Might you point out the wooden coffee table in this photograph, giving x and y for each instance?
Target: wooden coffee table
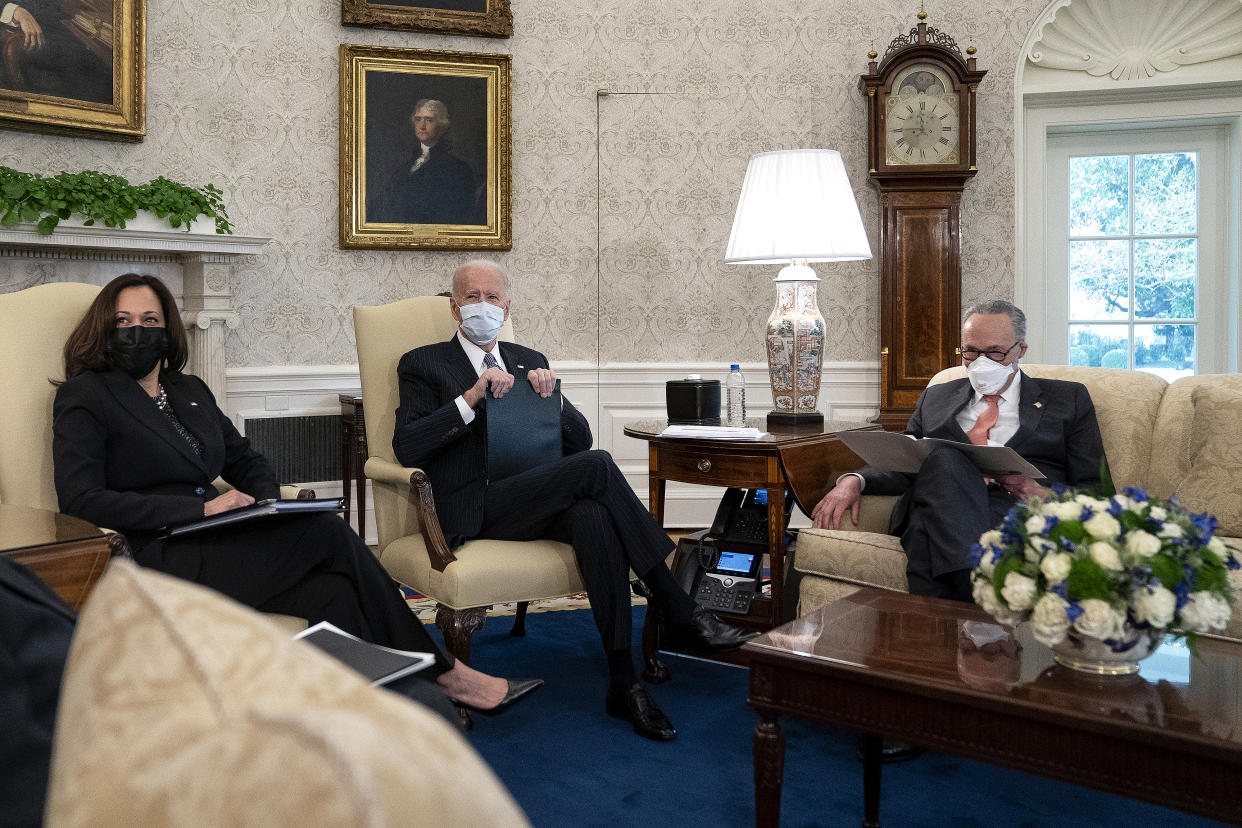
(903, 667)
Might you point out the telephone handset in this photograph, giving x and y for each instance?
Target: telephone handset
(730, 575)
(742, 517)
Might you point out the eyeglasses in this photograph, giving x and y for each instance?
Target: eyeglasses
(971, 354)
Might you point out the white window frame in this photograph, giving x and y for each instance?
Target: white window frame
(1209, 143)
(1040, 288)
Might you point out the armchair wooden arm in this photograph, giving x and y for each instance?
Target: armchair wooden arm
(417, 490)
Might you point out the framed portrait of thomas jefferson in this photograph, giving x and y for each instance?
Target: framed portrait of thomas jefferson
(426, 155)
(482, 18)
(74, 66)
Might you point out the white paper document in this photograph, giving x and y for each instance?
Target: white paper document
(697, 432)
(901, 453)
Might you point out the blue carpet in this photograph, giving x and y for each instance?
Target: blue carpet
(568, 764)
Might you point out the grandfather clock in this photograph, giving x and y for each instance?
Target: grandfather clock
(921, 150)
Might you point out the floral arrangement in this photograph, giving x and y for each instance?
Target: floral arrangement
(1111, 568)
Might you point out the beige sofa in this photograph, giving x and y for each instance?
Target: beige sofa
(181, 707)
(1183, 438)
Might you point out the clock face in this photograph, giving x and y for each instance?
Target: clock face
(922, 121)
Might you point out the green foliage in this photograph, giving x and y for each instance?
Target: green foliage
(1167, 569)
(1070, 529)
(1087, 579)
(105, 198)
(1212, 575)
(1116, 358)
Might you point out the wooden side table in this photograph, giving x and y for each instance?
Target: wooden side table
(67, 553)
(804, 460)
(354, 455)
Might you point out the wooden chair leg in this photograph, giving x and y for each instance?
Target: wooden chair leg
(458, 626)
(519, 620)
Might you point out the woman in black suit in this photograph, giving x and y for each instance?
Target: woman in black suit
(137, 444)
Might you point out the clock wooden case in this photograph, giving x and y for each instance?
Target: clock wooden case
(921, 152)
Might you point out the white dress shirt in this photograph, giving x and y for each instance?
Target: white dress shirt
(475, 354)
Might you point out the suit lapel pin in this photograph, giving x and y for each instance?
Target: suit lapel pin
(1039, 405)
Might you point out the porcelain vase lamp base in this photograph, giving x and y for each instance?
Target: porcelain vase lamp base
(795, 345)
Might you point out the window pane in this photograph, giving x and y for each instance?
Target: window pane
(1167, 350)
(1164, 278)
(1099, 345)
(1099, 188)
(1099, 274)
(1166, 193)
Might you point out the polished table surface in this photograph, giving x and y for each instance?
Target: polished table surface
(909, 668)
(67, 553)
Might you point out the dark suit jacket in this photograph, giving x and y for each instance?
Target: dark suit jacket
(441, 191)
(431, 435)
(121, 464)
(35, 629)
(1057, 433)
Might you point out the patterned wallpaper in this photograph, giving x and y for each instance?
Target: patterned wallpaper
(244, 94)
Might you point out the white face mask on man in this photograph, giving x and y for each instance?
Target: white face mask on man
(481, 321)
(987, 376)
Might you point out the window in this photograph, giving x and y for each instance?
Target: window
(1134, 250)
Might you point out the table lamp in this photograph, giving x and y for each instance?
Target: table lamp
(796, 207)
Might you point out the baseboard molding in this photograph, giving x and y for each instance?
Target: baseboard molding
(609, 396)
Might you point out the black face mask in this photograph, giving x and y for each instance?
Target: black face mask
(136, 350)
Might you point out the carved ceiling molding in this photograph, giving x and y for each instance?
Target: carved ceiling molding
(1135, 39)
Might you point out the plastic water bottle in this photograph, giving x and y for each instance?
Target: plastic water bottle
(735, 397)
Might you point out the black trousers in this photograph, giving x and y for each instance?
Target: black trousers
(311, 566)
(585, 501)
(942, 515)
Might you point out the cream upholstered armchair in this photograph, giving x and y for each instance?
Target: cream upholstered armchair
(465, 581)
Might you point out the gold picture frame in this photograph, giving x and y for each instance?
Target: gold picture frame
(480, 18)
(75, 67)
(439, 182)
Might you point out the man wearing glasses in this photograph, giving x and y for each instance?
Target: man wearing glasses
(946, 506)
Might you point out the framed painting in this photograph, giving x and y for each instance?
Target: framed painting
(75, 67)
(426, 156)
(481, 18)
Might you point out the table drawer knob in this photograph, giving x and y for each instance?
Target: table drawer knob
(705, 465)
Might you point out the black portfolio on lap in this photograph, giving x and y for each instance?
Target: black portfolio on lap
(523, 430)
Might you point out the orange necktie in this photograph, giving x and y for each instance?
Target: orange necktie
(978, 433)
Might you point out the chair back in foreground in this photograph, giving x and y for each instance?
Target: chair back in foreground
(34, 324)
(466, 581)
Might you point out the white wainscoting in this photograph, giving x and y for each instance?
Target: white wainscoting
(609, 397)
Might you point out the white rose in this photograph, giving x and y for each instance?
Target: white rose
(1170, 530)
(1102, 525)
(1155, 605)
(1098, 619)
(1018, 591)
(1085, 499)
(1105, 554)
(992, 537)
(1217, 545)
(1035, 524)
(1123, 501)
(1049, 621)
(985, 597)
(1158, 512)
(1068, 510)
(1142, 544)
(1205, 611)
(1056, 567)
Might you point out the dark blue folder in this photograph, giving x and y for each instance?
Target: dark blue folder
(523, 430)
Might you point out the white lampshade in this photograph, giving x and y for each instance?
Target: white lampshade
(796, 205)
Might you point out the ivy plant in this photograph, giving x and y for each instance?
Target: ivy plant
(102, 197)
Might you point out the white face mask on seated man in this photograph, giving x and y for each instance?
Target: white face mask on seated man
(481, 321)
(987, 376)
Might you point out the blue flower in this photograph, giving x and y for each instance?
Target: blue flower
(976, 554)
(1136, 494)
(1114, 508)
(1073, 611)
(1182, 591)
(1232, 563)
(1059, 489)
(1061, 589)
(1086, 514)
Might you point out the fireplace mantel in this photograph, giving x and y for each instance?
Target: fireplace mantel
(205, 257)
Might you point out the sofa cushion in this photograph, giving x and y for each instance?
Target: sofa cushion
(862, 558)
(181, 707)
(1171, 455)
(1213, 484)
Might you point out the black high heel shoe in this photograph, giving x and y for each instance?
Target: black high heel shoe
(518, 690)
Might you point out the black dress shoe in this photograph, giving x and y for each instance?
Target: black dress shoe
(637, 707)
(707, 632)
(518, 690)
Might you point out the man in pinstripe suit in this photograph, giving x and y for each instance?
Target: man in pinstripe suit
(583, 499)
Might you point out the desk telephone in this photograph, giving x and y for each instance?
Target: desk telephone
(731, 552)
